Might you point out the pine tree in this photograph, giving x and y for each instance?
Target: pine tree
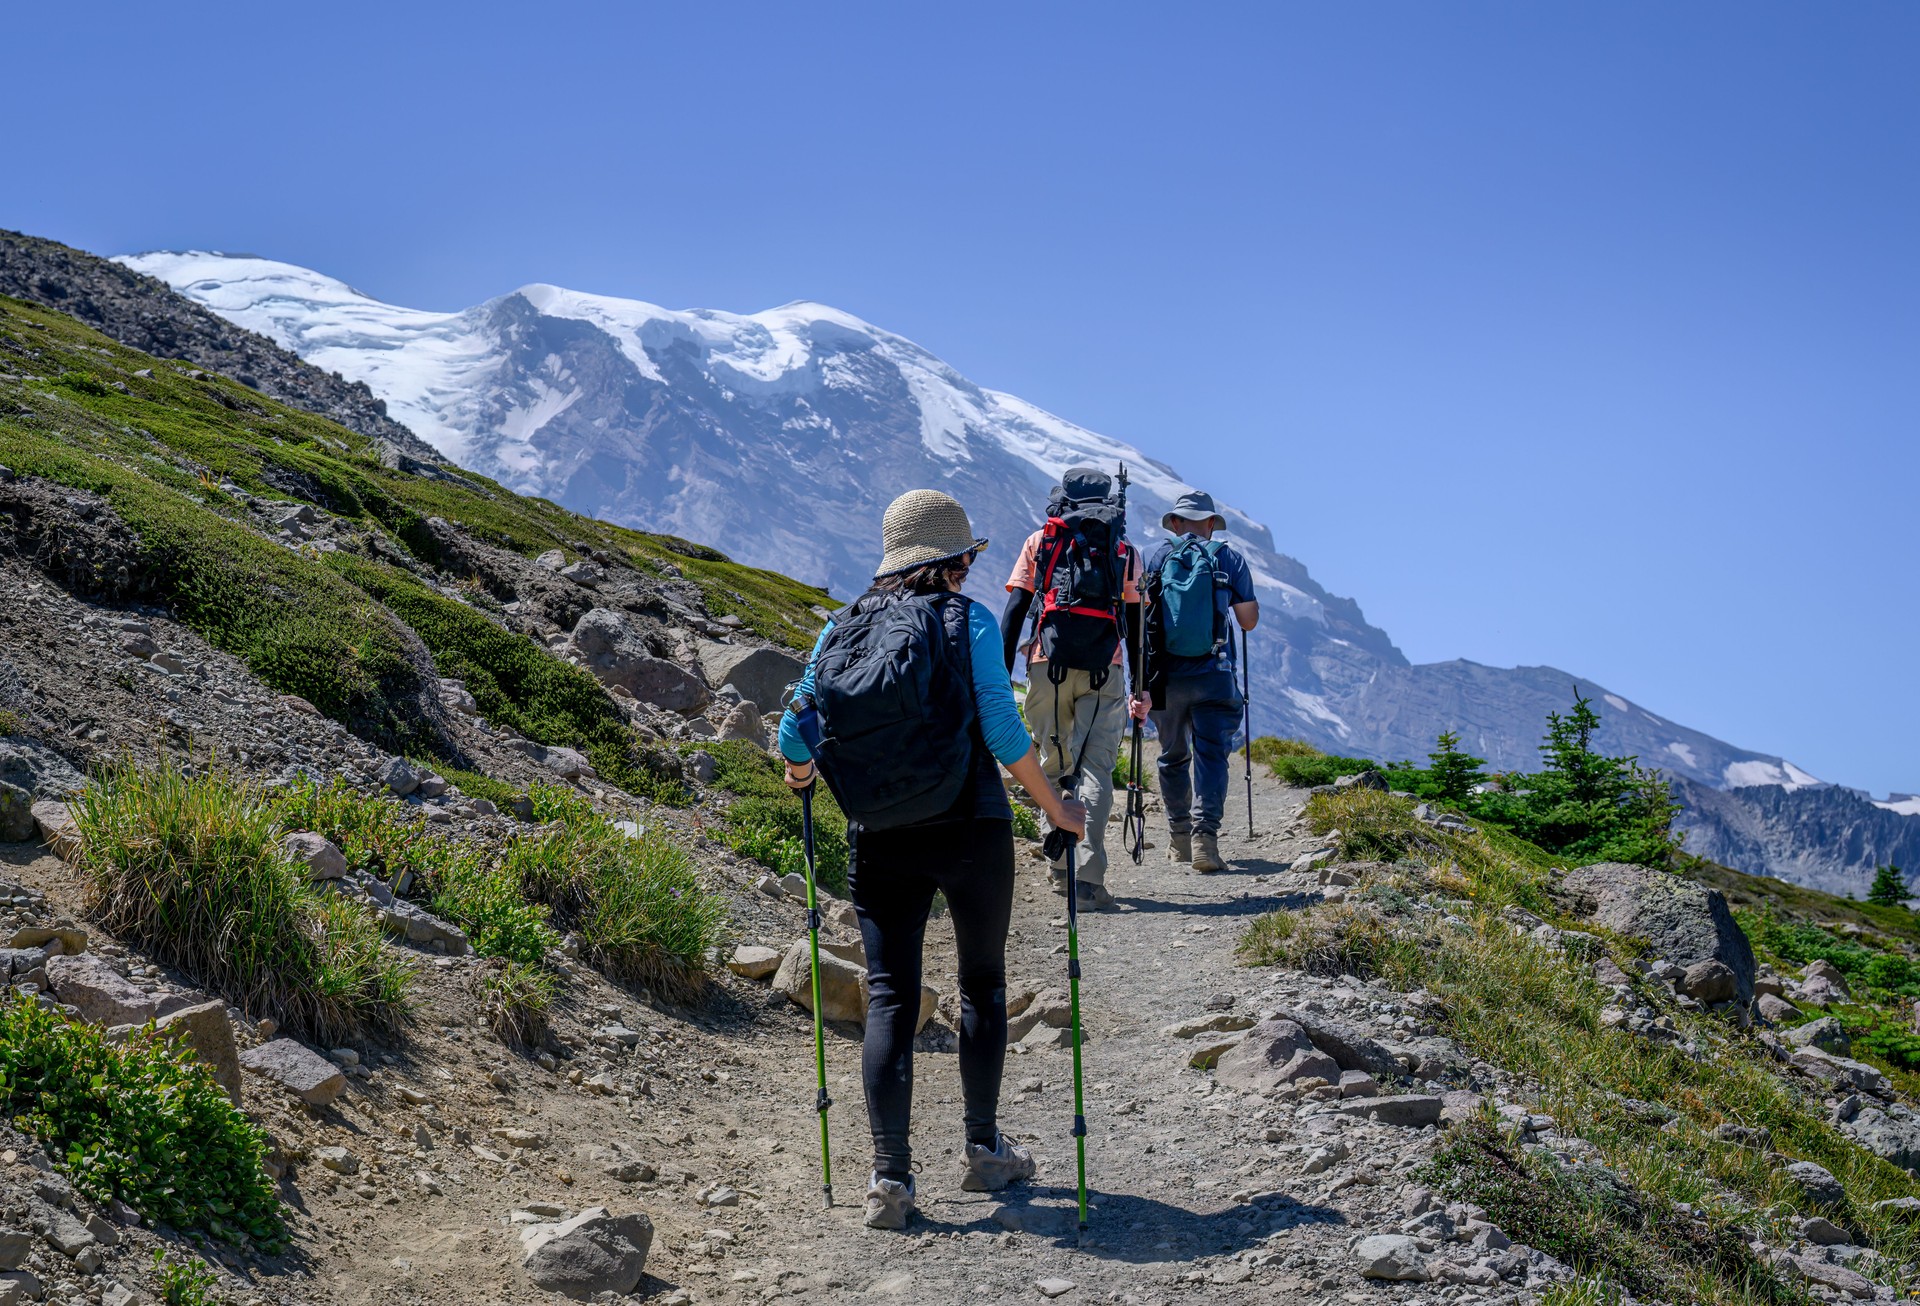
(1889, 887)
(1588, 776)
(1453, 773)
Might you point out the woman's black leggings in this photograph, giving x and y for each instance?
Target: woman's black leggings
(892, 878)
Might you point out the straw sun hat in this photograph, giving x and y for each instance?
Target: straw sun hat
(923, 526)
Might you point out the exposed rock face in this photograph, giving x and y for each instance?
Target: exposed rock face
(609, 648)
(1687, 923)
(1826, 837)
(1351, 1047)
(760, 674)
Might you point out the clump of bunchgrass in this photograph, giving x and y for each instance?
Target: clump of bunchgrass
(140, 1120)
(1495, 867)
(376, 834)
(189, 868)
(517, 998)
(1327, 939)
(486, 900)
(633, 900)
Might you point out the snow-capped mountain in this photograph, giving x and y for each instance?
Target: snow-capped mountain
(780, 436)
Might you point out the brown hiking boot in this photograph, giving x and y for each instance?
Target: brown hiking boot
(1206, 853)
(1179, 847)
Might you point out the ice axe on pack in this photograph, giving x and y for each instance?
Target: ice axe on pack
(1059, 843)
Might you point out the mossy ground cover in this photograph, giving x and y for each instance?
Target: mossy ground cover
(1651, 1108)
(76, 409)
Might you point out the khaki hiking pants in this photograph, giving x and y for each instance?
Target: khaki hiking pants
(1073, 722)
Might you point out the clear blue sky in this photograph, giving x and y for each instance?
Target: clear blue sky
(1570, 333)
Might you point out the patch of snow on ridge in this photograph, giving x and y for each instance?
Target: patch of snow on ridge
(1743, 775)
(1618, 704)
(1314, 706)
(1904, 804)
(1683, 752)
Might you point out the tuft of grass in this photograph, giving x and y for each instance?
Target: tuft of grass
(486, 900)
(10, 723)
(635, 902)
(763, 822)
(190, 869)
(1497, 868)
(141, 1120)
(518, 999)
(1298, 763)
(475, 785)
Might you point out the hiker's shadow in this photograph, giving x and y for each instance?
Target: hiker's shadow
(1125, 1226)
(1253, 904)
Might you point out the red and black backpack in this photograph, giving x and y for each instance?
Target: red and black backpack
(1080, 574)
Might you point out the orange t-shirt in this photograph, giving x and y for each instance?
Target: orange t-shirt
(1025, 576)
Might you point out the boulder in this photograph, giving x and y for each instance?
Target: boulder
(552, 560)
(1817, 1183)
(592, 1253)
(843, 983)
(1394, 1257)
(1271, 1055)
(16, 814)
(1685, 921)
(588, 574)
(1842, 1072)
(743, 721)
(754, 963)
(1709, 982)
(298, 1069)
(1775, 1008)
(1826, 1033)
(72, 940)
(1351, 1047)
(1403, 1110)
(760, 674)
(204, 1028)
(316, 855)
(1826, 971)
(1365, 780)
(55, 824)
(400, 776)
(609, 648)
(1893, 1133)
(102, 995)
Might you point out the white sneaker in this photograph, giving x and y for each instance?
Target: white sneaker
(989, 1169)
(889, 1202)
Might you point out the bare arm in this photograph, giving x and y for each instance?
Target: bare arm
(1247, 614)
(1062, 813)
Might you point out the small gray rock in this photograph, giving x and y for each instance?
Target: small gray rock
(102, 995)
(316, 855)
(592, 1253)
(1818, 1183)
(298, 1069)
(400, 776)
(1394, 1257)
(1826, 1033)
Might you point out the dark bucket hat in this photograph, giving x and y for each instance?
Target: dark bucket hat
(1195, 505)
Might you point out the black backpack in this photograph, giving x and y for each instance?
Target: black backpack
(1080, 574)
(894, 711)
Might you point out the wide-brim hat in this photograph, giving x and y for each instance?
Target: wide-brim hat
(1195, 505)
(923, 526)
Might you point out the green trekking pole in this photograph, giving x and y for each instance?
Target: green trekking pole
(1246, 700)
(1073, 1003)
(821, 1100)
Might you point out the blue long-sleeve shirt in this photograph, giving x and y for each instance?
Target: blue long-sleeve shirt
(1000, 723)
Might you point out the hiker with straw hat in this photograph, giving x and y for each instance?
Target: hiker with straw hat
(904, 709)
(1196, 585)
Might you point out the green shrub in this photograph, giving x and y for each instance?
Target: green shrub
(1026, 825)
(189, 868)
(141, 1120)
(183, 1283)
(10, 723)
(1798, 942)
(81, 383)
(475, 785)
(636, 903)
(1297, 763)
(487, 902)
(763, 823)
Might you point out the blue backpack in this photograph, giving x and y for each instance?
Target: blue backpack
(1190, 622)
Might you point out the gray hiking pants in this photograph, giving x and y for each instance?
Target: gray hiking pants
(1076, 725)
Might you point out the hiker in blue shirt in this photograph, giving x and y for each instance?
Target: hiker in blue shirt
(1197, 587)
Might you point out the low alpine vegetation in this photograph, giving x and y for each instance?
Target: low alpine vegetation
(763, 822)
(189, 868)
(142, 1121)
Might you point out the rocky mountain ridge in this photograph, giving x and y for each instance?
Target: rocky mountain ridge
(781, 435)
